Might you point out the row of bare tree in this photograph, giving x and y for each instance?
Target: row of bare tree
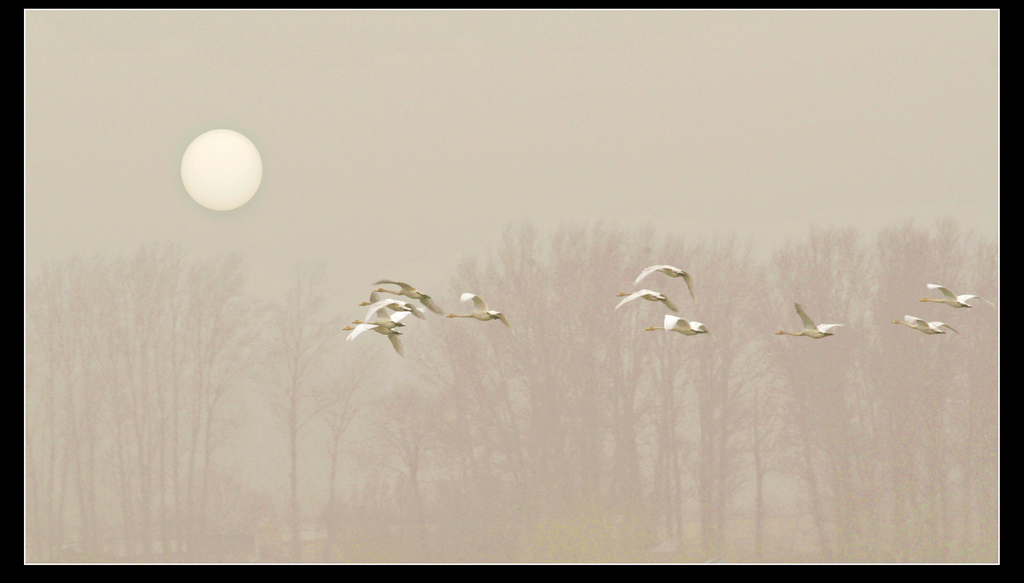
(580, 437)
(129, 367)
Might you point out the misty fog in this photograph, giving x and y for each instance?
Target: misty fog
(579, 437)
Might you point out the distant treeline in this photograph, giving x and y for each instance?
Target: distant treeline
(580, 437)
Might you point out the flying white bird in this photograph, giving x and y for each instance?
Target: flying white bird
(392, 334)
(926, 327)
(951, 299)
(677, 324)
(397, 305)
(388, 322)
(669, 271)
(647, 295)
(411, 292)
(810, 329)
(480, 311)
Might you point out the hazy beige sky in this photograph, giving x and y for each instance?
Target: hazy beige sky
(394, 142)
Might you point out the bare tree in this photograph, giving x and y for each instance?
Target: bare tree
(60, 320)
(406, 419)
(766, 452)
(340, 402)
(301, 337)
(220, 342)
(109, 338)
(44, 307)
(720, 369)
(825, 275)
(927, 405)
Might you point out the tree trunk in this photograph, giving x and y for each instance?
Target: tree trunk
(723, 455)
(812, 483)
(293, 439)
(331, 518)
(758, 479)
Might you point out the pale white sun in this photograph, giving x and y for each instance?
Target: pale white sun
(221, 170)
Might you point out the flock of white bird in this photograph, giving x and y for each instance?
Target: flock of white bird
(378, 319)
(385, 315)
(948, 298)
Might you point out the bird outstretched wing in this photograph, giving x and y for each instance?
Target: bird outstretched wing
(504, 321)
(914, 321)
(670, 321)
(647, 271)
(808, 323)
(964, 298)
(669, 304)
(631, 297)
(397, 343)
(359, 329)
(478, 302)
(400, 284)
(945, 291)
(689, 284)
(429, 303)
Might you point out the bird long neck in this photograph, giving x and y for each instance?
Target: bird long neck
(655, 328)
(800, 333)
(942, 301)
(460, 315)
